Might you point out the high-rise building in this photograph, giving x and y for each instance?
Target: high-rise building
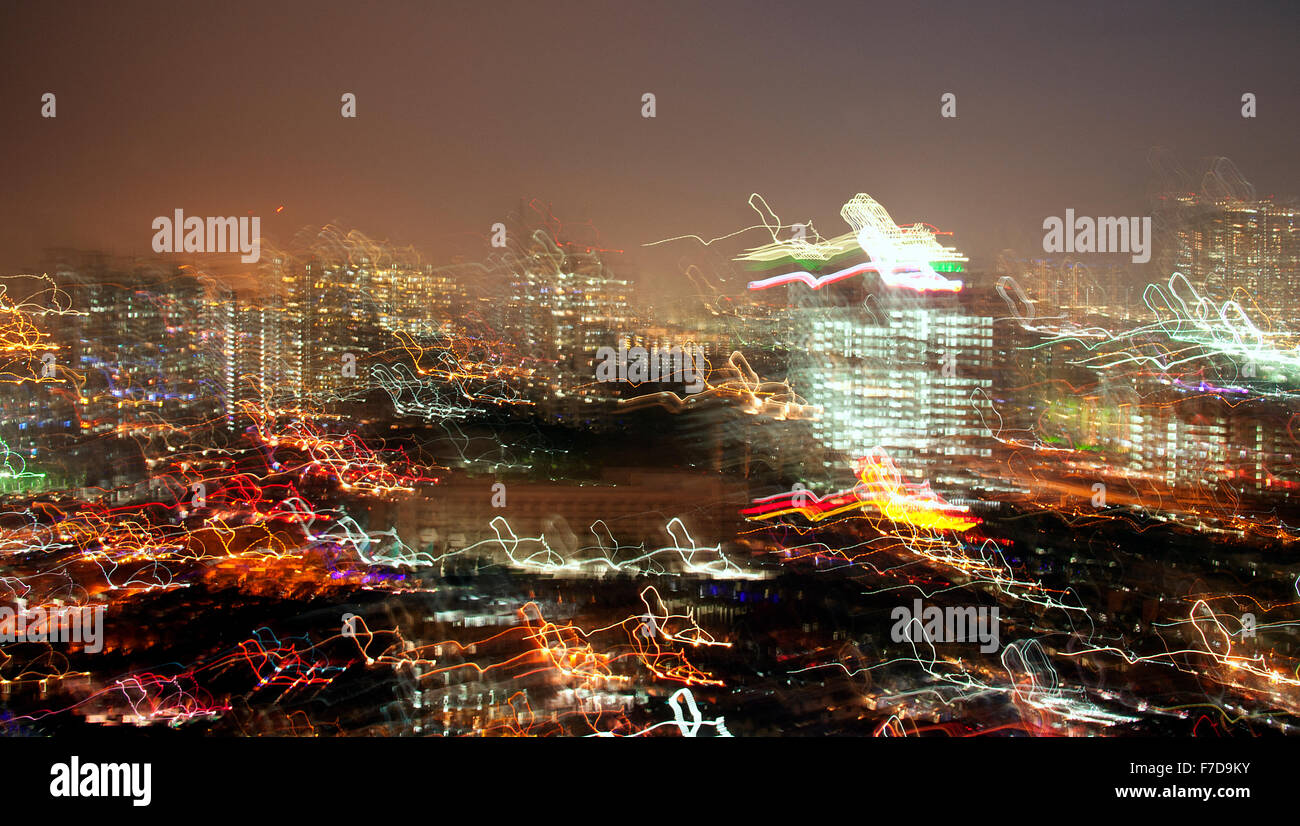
(906, 372)
(562, 304)
(146, 341)
(1070, 290)
(1243, 250)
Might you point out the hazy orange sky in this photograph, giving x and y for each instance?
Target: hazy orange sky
(464, 108)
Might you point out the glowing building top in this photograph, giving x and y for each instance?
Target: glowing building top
(904, 257)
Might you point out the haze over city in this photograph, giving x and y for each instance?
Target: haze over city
(860, 376)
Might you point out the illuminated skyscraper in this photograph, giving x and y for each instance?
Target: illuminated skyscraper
(563, 303)
(886, 347)
(1231, 248)
(906, 372)
(144, 338)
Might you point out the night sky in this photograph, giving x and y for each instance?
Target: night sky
(464, 108)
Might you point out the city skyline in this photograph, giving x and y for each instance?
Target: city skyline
(874, 376)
